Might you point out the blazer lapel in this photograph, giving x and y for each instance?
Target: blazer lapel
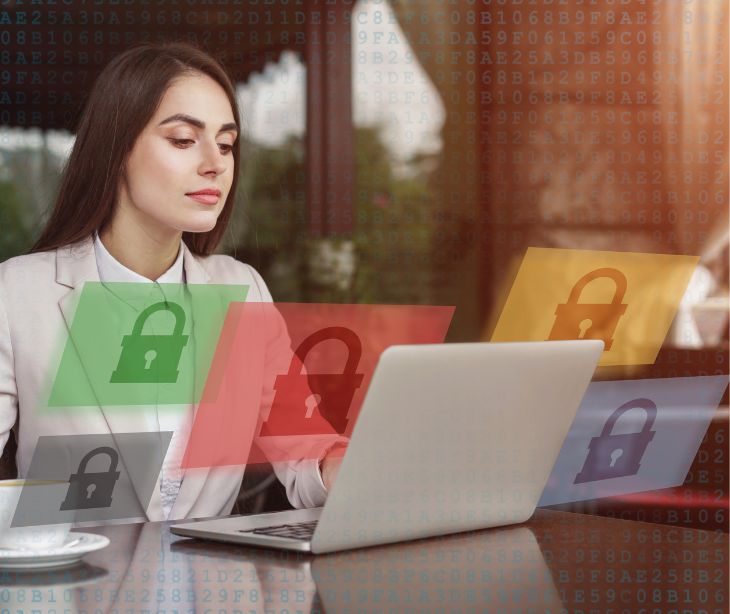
(75, 265)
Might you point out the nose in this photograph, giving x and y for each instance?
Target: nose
(213, 161)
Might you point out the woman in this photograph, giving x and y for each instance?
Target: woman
(146, 196)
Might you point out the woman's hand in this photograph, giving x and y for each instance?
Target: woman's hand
(329, 466)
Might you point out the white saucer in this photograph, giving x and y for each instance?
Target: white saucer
(74, 548)
(54, 578)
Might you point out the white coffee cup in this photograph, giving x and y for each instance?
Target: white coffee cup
(27, 538)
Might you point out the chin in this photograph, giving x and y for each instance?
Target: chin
(200, 223)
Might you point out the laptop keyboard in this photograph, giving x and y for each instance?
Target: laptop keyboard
(299, 530)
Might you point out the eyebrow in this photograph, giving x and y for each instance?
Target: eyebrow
(181, 117)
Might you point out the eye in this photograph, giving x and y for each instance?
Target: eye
(181, 142)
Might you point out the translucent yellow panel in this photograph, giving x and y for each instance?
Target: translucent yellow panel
(627, 299)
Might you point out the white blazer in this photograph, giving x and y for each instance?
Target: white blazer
(38, 295)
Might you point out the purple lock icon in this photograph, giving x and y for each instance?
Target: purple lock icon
(615, 456)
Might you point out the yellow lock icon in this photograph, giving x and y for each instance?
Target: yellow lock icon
(575, 320)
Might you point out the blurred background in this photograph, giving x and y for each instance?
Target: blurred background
(409, 151)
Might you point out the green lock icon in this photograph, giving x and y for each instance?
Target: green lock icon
(152, 359)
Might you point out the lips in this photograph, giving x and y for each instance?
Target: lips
(206, 197)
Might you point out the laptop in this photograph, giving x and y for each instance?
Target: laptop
(451, 437)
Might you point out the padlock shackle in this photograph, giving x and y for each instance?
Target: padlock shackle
(176, 310)
(341, 333)
(646, 404)
(617, 276)
(111, 452)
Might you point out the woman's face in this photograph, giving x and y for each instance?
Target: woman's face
(175, 157)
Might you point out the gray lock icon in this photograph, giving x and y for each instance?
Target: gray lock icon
(614, 456)
(92, 490)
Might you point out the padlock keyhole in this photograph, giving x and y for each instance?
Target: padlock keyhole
(90, 490)
(312, 401)
(615, 455)
(583, 327)
(149, 356)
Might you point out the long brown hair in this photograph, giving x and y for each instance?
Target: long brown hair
(123, 99)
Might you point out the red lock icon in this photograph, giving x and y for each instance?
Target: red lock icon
(292, 409)
(574, 320)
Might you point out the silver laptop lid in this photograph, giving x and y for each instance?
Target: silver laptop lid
(454, 437)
